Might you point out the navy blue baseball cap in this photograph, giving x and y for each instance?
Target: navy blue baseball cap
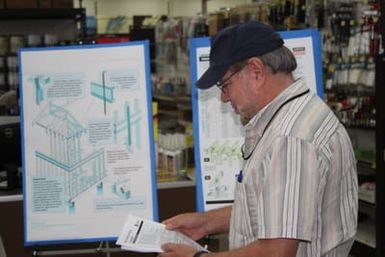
(237, 43)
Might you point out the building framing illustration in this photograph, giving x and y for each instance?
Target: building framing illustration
(66, 158)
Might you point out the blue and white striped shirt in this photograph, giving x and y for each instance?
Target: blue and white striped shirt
(301, 179)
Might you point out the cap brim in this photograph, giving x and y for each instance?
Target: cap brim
(211, 76)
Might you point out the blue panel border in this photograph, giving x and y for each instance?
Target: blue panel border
(317, 52)
(195, 43)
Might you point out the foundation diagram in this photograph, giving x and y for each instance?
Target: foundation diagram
(122, 188)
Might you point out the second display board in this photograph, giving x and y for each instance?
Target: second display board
(218, 133)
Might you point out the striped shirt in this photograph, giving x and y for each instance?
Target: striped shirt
(300, 181)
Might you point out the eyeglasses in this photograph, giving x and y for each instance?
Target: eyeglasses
(224, 85)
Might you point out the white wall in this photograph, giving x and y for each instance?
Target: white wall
(154, 7)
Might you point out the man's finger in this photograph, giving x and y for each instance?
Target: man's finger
(168, 247)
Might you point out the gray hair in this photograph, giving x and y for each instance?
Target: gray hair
(280, 60)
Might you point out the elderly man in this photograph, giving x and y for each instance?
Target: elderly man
(297, 193)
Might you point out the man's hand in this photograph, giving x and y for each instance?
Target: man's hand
(177, 250)
(192, 225)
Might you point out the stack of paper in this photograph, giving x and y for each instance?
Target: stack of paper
(141, 235)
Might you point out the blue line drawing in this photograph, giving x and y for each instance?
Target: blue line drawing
(130, 122)
(39, 82)
(65, 157)
(217, 187)
(57, 86)
(122, 188)
(113, 81)
(220, 153)
(103, 92)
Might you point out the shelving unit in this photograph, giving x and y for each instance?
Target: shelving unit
(174, 111)
(370, 237)
(359, 103)
(42, 13)
(380, 154)
(21, 21)
(33, 28)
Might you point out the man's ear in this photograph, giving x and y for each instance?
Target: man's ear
(258, 68)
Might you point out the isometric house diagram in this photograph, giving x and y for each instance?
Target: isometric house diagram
(65, 157)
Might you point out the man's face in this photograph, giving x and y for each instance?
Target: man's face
(236, 88)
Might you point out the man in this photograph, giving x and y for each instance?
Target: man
(297, 193)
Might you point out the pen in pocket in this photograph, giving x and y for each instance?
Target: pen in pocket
(240, 176)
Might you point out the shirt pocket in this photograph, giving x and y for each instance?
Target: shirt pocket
(241, 224)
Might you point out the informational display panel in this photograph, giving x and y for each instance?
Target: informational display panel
(88, 152)
(218, 133)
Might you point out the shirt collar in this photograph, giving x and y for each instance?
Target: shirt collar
(261, 119)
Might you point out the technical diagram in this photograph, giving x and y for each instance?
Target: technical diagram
(225, 152)
(129, 126)
(122, 188)
(216, 185)
(103, 92)
(87, 140)
(111, 82)
(39, 82)
(66, 158)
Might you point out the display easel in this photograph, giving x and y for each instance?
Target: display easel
(104, 247)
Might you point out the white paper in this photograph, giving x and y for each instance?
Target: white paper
(141, 235)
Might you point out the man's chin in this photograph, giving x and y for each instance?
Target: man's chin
(244, 120)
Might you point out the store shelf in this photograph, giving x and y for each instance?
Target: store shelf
(41, 13)
(365, 168)
(169, 98)
(368, 196)
(173, 98)
(184, 107)
(184, 123)
(33, 20)
(173, 113)
(366, 233)
(176, 184)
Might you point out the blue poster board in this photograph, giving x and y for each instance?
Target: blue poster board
(218, 135)
(87, 141)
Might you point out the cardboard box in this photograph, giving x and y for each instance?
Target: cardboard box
(21, 4)
(44, 3)
(62, 3)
